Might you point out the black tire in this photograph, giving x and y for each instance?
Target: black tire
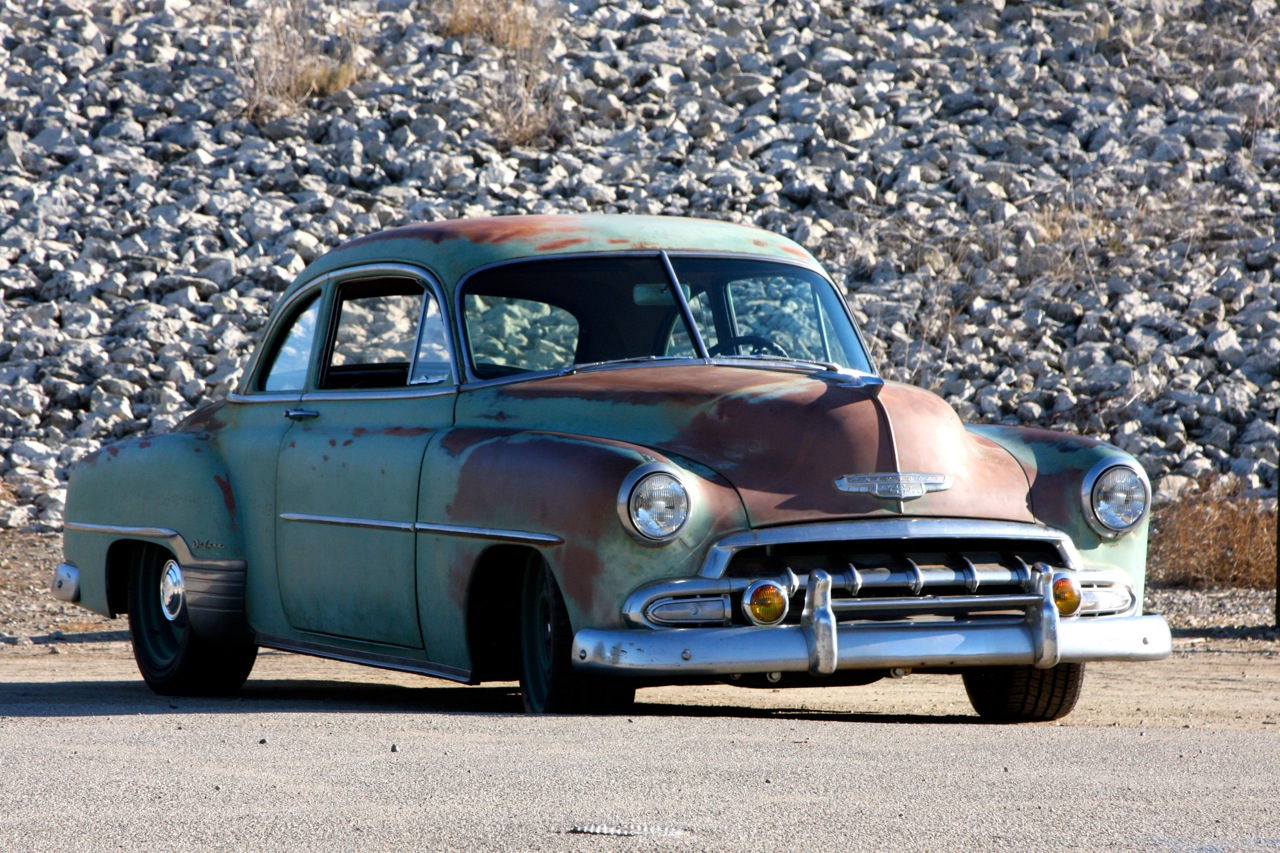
(1024, 694)
(549, 683)
(173, 659)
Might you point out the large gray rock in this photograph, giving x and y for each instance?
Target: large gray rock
(1031, 211)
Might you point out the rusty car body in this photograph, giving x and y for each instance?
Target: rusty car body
(599, 452)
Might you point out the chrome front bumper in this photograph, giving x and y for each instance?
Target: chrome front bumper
(820, 645)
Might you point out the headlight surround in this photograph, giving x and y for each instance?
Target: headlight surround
(1116, 497)
(654, 503)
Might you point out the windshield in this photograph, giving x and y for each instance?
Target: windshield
(570, 312)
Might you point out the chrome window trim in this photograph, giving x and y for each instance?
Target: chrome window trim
(430, 285)
(490, 533)
(408, 392)
(463, 357)
(718, 557)
(265, 397)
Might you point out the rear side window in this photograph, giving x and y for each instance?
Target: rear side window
(289, 362)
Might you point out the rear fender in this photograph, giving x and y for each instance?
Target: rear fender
(172, 490)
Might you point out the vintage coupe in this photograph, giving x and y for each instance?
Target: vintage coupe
(601, 452)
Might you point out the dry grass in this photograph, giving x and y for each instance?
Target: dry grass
(526, 108)
(1214, 537)
(505, 24)
(300, 49)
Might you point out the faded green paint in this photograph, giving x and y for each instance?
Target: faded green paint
(757, 447)
(1056, 465)
(449, 250)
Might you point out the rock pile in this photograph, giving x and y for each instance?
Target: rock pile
(1052, 213)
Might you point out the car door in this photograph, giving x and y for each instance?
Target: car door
(348, 468)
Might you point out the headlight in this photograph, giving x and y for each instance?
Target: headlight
(657, 503)
(1116, 498)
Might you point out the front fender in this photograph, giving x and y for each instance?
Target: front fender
(1055, 464)
(567, 487)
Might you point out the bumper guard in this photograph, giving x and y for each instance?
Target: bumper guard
(821, 644)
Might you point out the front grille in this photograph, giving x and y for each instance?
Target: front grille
(908, 578)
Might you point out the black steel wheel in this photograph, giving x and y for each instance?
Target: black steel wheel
(173, 659)
(548, 681)
(1024, 694)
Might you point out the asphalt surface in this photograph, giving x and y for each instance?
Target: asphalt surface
(322, 756)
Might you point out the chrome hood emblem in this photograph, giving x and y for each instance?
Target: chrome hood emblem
(898, 487)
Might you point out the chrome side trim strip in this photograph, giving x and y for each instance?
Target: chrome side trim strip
(172, 538)
(382, 661)
(718, 557)
(521, 536)
(339, 521)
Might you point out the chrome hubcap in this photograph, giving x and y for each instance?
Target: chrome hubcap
(173, 591)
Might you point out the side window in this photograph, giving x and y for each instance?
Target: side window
(679, 342)
(288, 370)
(510, 335)
(375, 338)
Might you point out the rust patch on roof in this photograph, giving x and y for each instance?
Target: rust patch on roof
(494, 229)
(556, 245)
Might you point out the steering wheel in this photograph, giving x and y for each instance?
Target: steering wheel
(755, 344)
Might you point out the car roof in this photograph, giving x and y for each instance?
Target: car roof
(452, 248)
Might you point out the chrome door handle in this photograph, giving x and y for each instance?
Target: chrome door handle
(300, 414)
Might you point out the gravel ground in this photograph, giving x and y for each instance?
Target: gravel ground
(31, 616)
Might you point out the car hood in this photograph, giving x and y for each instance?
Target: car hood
(785, 439)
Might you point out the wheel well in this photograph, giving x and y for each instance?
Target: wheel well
(493, 612)
(122, 560)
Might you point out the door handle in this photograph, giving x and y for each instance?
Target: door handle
(300, 414)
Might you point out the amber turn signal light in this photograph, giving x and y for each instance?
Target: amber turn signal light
(765, 603)
(1066, 594)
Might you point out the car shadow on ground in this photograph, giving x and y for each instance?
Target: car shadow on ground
(121, 698)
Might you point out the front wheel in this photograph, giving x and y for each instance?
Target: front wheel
(173, 659)
(1024, 694)
(548, 681)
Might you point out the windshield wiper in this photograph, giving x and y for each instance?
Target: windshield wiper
(639, 359)
(758, 360)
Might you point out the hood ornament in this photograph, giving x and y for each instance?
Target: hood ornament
(898, 487)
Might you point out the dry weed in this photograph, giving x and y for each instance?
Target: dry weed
(526, 106)
(300, 49)
(1214, 536)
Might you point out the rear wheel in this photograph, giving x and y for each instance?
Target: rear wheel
(173, 659)
(1024, 694)
(548, 681)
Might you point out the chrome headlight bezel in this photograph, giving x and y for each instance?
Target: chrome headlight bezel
(1090, 497)
(631, 491)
